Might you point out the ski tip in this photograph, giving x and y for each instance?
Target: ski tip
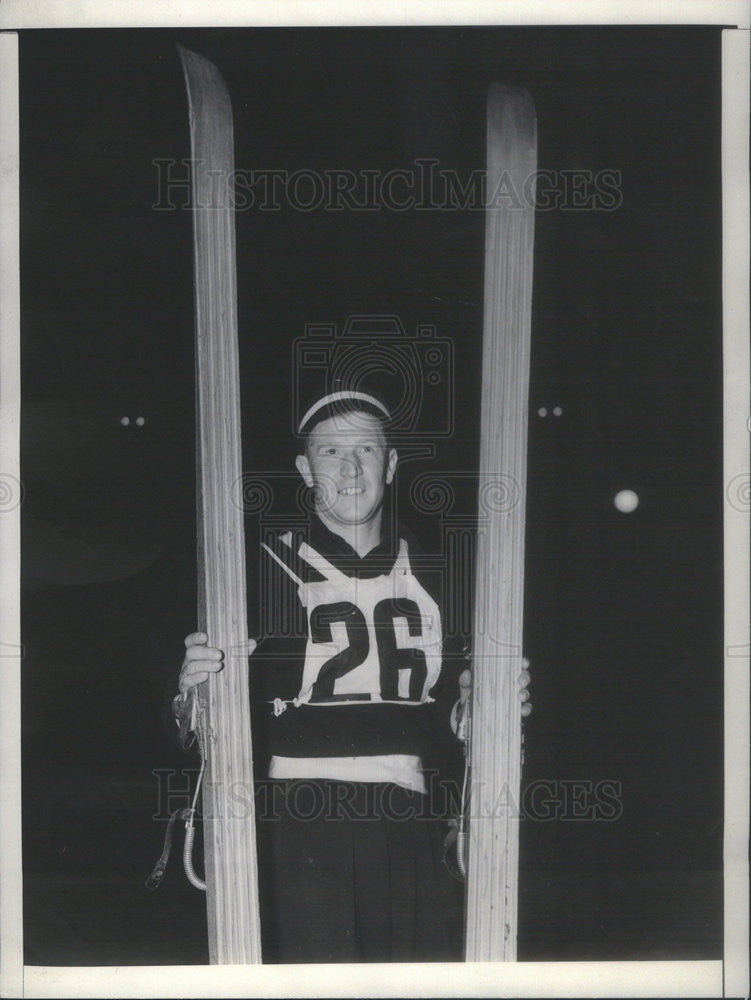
(199, 68)
(205, 84)
(186, 55)
(500, 91)
(511, 110)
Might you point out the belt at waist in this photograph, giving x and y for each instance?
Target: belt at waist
(398, 769)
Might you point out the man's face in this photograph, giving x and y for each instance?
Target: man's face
(348, 463)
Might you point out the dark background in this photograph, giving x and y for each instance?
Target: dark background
(623, 611)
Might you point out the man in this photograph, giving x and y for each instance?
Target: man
(352, 710)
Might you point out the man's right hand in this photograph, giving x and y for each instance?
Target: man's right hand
(200, 661)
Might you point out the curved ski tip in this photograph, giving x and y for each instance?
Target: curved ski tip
(198, 67)
(192, 60)
(186, 55)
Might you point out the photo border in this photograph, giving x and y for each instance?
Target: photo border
(729, 977)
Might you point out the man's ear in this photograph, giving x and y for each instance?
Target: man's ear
(303, 467)
(391, 467)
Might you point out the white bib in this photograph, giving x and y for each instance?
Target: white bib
(369, 640)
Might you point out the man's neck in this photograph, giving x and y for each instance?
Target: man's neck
(363, 538)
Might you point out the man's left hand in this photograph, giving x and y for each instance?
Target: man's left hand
(524, 680)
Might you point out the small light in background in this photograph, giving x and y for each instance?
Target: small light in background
(626, 501)
(557, 411)
(125, 421)
(542, 412)
(140, 421)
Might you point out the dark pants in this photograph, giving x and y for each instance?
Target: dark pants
(352, 872)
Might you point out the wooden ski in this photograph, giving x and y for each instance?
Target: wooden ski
(492, 871)
(227, 794)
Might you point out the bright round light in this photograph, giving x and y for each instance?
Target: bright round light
(542, 412)
(557, 411)
(626, 501)
(140, 421)
(125, 421)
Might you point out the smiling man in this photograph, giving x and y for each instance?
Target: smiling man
(351, 711)
(348, 463)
